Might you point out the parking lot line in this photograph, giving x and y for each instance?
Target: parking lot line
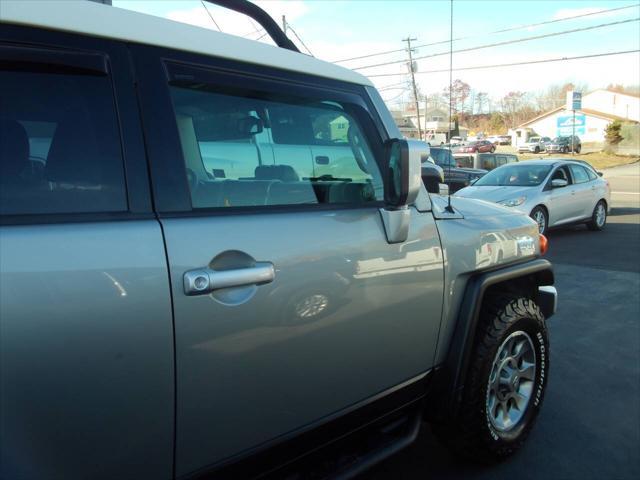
(625, 193)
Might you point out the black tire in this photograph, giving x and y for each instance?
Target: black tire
(565, 149)
(493, 149)
(472, 434)
(536, 150)
(535, 215)
(578, 148)
(597, 224)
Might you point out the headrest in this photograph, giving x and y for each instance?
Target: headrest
(285, 173)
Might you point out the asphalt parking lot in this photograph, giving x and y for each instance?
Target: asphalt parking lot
(590, 422)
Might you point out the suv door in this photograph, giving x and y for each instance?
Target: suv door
(316, 312)
(86, 340)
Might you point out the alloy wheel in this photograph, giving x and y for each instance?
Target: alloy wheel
(511, 382)
(540, 219)
(601, 215)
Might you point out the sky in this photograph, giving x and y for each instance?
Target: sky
(335, 30)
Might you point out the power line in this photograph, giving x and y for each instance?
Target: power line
(499, 65)
(210, 16)
(298, 37)
(506, 42)
(504, 30)
(413, 83)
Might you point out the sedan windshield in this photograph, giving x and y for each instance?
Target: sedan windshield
(515, 176)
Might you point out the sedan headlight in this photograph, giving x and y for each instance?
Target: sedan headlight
(514, 202)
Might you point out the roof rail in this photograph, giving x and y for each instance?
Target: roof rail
(259, 15)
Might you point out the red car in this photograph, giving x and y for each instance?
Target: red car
(480, 146)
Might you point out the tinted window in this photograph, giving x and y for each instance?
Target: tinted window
(443, 157)
(488, 162)
(240, 150)
(579, 174)
(59, 145)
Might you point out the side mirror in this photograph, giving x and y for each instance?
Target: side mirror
(404, 161)
(474, 180)
(558, 183)
(402, 185)
(599, 174)
(249, 126)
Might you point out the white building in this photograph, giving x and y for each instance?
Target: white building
(599, 108)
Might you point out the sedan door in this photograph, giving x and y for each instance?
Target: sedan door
(290, 305)
(586, 191)
(562, 202)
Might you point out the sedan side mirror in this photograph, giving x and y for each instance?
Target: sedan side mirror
(558, 183)
(403, 181)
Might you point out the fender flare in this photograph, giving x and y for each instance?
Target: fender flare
(451, 377)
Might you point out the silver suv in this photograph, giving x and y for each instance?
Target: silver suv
(218, 259)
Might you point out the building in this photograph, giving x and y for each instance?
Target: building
(599, 109)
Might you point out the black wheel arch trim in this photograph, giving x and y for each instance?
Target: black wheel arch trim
(449, 379)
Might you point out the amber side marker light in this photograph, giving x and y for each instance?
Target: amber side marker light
(544, 244)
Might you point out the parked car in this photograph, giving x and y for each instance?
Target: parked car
(229, 268)
(478, 146)
(495, 139)
(483, 161)
(534, 145)
(553, 192)
(454, 176)
(504, 139)
(564, 145)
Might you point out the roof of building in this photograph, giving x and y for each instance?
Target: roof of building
(632, 95)
(587, 111)
(95, 19)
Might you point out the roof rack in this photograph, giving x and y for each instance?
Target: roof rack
(259, 15)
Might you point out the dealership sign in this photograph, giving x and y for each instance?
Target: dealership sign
(574, 100)
(566, 125)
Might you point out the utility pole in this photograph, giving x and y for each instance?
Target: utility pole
(413, 82)
(284, 24)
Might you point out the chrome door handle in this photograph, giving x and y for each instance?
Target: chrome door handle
(205, 280)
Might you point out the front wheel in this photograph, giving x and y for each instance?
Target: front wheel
(493, 149)
(598, 217)
(565, 150)
(539, 214)
(537, 150)
(506, 381)
(578, 148)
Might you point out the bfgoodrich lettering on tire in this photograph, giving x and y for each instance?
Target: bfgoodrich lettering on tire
(506, 382)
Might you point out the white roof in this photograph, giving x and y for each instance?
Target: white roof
(100, 20)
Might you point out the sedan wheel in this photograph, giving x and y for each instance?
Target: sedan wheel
(599, 217)
(540, 216)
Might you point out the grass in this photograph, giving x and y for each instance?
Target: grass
(597, 160)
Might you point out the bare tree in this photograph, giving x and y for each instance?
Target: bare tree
(458, 95)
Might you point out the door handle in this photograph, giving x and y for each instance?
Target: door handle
(205, 280)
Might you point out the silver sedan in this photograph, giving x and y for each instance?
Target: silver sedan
(553, 192)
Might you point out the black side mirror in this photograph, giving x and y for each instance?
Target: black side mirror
(403, 173)
(249, 126)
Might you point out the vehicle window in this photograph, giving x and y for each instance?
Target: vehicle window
(520, 175)
(240, 150)
(561, 173)
(488, 162)
(592, 174)
(464, 161)
(443, 157)
(579, 174)
(501, 160)
(60, 146)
